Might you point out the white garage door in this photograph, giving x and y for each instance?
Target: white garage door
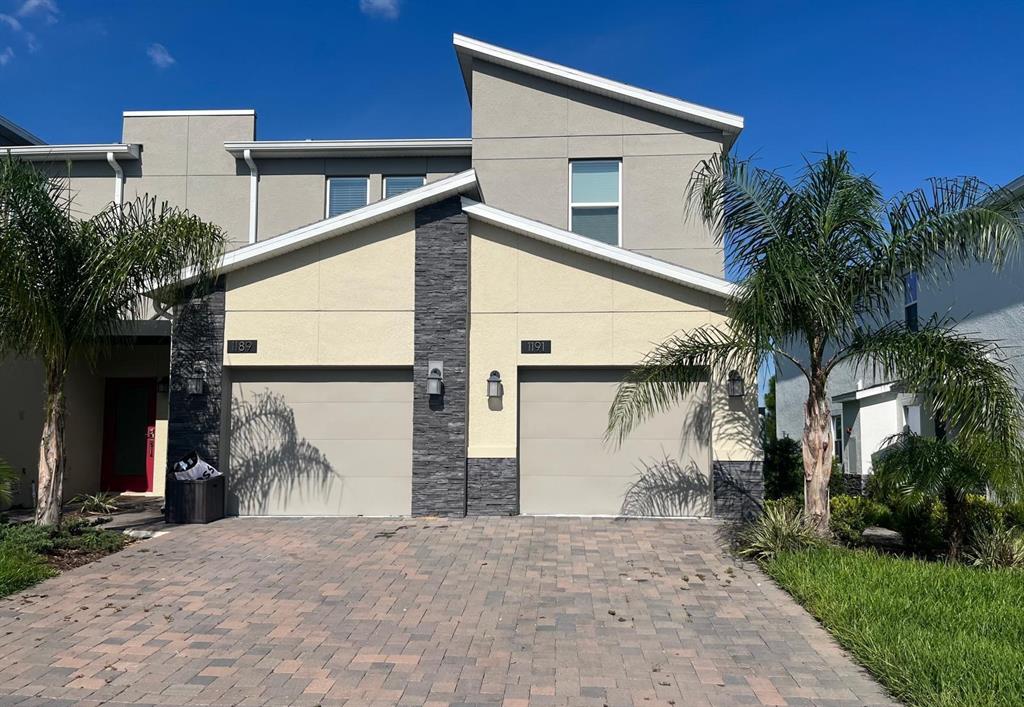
(320, 442)
(661, 469)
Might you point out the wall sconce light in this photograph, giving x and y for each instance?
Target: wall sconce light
(435, 380)
(195, 384)
(494, 387)
(163, 385)
(735, 384)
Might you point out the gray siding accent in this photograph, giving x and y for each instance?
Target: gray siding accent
(493, 487)
(440, 333)
(197, 335)
(854, 484)
(739, 489)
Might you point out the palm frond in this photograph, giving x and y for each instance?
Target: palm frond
(674, 369)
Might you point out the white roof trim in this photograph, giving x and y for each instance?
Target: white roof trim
(175, 113)
(571, 241)
(269, 149)
(468, 47)
(351, 221)
(45, 153)
(16, 129)
(880, 389)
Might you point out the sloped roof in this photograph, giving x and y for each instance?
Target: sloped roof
(467, 49)
(580, 244)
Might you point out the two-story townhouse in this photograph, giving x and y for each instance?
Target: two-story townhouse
(868, 407)
(425, 327)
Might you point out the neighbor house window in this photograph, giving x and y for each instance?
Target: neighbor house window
(345, 194)
(910, 300)
(837, 433)
(595, 195)
(393, 186)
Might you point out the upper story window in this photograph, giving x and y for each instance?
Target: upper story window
(595, 195)
(393, 186)
(345, 194)
(910, 300)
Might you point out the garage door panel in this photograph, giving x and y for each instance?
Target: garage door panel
(352, 420)
(662, 468)
(582, 458)
(321, 442)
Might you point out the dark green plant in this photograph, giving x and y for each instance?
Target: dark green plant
(8, 479)
(823, 260)
(852, 514)
(781, 527)
(996, 547)
(100, 503)
(783, 468)
(66, 285)
(914, 471)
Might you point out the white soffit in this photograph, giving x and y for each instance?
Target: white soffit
(344, 223)
(467, 49)
(571, 241)
(428, 147)
(49, 153)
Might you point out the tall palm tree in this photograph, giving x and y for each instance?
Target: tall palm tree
(67, 285)
(825, 258)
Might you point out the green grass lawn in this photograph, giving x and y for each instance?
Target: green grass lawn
(29, 554)
(933, 634)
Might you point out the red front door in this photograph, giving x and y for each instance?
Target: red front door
(129, 434)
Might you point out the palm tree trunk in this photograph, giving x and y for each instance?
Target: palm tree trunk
(50, 491)
(817, 454)
(956, 523)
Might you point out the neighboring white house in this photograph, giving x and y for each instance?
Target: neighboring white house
(866, 409)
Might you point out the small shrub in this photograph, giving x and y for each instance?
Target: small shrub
(21, 568)
(852, 514)
(96, 503)
(1013, 514)
(25, 536)
(783, 468)
(997, 547)
(778, 529)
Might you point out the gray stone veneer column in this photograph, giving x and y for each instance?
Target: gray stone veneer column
(440, 333)
(197, 335)
(493, 487)
(739, 489)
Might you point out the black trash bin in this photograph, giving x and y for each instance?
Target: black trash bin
(193, 500)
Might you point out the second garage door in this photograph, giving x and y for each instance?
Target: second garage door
(662, 469)
(320, 442)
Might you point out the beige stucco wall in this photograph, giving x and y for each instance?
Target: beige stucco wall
(594, 313)
(526, 129)
(347, 301)
(21, 419)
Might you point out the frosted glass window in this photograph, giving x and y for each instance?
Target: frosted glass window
(594, 199)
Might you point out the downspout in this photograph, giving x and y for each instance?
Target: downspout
(118, 179)
(254, 191)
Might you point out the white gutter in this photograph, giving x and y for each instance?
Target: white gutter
(53, 153)
(425, 147)
(118, 178)
(254, 193)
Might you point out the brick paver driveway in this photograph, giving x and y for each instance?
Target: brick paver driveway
(508, 611)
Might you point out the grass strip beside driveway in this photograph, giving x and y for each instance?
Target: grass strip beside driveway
(933, 634)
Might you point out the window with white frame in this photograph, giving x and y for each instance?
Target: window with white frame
(910, 301)
(345, 194)
(837, 437)
(595, 197)
(393, 186)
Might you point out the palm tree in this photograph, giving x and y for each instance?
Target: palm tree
(67, 284)
(824, 260)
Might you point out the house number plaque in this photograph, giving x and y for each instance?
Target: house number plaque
(241, 346)
(535, 346)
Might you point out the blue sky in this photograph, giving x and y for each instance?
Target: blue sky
(913, 89)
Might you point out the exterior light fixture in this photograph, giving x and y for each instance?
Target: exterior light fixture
(735, 384)
(494, 387)
(435, 381)
(195, 384)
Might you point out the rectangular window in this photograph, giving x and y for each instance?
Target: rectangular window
(393, 186)
(910, 301)
(837, 433)
(345, 194)
(595, 196)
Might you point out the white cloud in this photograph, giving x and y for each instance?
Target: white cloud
(5, 56)
(10, 22)
(388, 9)
(159, 55)
(48, 8)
